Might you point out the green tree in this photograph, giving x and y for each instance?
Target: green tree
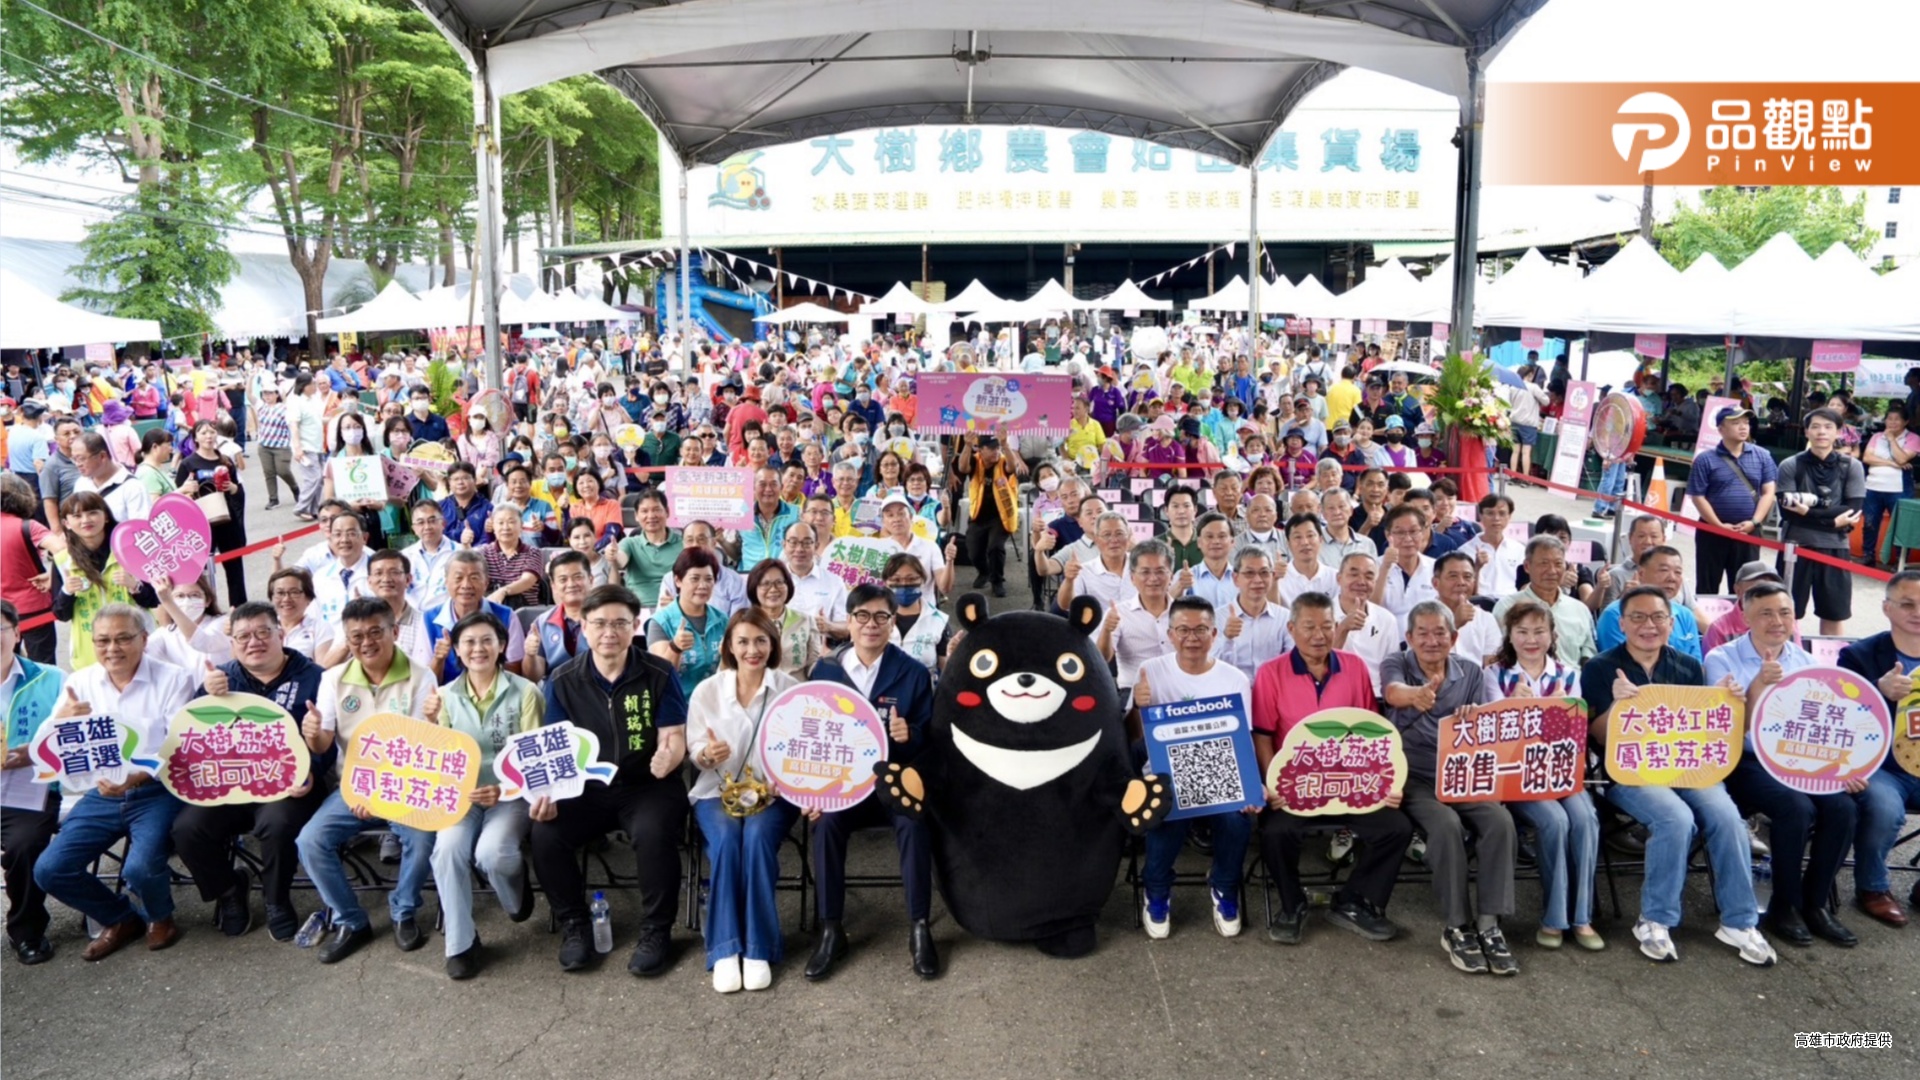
(1732, 223)
(163, 256)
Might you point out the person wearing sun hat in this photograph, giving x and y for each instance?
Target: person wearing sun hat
(1106, 400)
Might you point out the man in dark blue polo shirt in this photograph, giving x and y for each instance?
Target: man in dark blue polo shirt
(1732, 485)
(427, 425)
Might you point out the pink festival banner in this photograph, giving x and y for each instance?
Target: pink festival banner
(723, 498)
(955, 403)
(1835, 355)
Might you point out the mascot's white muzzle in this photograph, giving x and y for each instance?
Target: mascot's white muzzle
(1025, 697)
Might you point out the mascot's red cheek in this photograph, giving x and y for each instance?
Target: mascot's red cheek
(1084, 702)
(968, 699)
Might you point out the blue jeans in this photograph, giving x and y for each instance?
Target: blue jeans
(1569, 831)
(743, 868)
(1613, 482)
(1231, 831)
(329, 830)
(145, 816)
(1670, 815)
(490, 837)
(1878, 502)
(1883, 813)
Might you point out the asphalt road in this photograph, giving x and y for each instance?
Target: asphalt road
(1193, 1005)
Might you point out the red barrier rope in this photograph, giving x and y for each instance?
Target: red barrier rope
(1799, 552)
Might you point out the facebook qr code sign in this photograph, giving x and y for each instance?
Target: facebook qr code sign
(1204, 748)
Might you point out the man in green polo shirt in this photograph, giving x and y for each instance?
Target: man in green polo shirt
(647, 556)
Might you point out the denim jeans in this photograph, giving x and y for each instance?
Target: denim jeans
(1883, 813)
(1878, 502)
(1569, 832)
(1670, 815)
(145, 816)
(329, 830)
(1231, 832)
(1613, 482)
(489, 837)
(743, 869)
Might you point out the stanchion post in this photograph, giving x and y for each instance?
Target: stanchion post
(1787, 558)
(1620, 517)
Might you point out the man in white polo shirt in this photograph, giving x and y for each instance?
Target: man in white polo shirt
(142, 693)
(1103, 578)
(821, 595)
(1253, 628)
(1406, 574)
(1134, 631)
(1361, 626)
(1303, 543)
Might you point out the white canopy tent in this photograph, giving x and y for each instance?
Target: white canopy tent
(1130, 297)
(1311, 300)
(1390, 291)
(1012, 311)
(31, 319)
(1276, 295)
(1535, 292)
(805, 312)
(898, 300)
(1055, 296)
(1638, 291)
(972, 298)
(1214, 76)
(1233, 296)
(394, 309)
(569, 306)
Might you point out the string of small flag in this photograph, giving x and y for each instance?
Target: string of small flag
(1227, 249)
(730, 264)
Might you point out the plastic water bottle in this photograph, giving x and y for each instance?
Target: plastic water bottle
(602, 924)
(312, 930)
(1763, 879)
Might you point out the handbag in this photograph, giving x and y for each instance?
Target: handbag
(744, 794)
(214, 505)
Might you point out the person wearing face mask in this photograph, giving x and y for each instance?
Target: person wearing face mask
(427, 425)
(1426, 453)
(921, 629)
(866, 408)
(480, 444)
(1399, 454)
(662, 442)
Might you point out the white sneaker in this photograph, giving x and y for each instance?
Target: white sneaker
(1751, 943)
(1159, 924)
(1226, 914)
(726, 975)
(1340, 847)
(1655, 943)
(756, 974)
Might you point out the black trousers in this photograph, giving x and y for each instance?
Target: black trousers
(231, 535)
(830, 836)
(24, 834)
(1828, 819)
(987, 547)
(203, 838)
(653, 814)
(1382, 836)
(41, 644)
(1714, 555)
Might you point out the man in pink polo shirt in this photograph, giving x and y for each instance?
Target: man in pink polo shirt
(1305, 679)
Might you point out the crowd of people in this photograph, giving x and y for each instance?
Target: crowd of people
(1302, 557)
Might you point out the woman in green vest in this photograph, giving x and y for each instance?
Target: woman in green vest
(491, 704)
(86, 577)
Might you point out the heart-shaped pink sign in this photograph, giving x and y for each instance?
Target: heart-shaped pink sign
(174, 542)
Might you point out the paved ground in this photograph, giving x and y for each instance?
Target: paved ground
(1194, 1005)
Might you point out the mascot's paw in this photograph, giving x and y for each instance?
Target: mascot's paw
(1144, 803)
(901, 787)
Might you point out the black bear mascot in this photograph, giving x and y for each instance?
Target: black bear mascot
(1025, 778)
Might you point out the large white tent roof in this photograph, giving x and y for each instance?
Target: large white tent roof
(899, 300)
(393, 310)
(1233, 296)
(1390, 291)
(972, 298)
(1312, 300)
(1536, 292)
(31, 319)
(1130, 297)
(1218, 76)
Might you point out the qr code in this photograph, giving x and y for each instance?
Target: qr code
(1206, 772)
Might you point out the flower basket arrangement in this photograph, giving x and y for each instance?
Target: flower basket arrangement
(1465, 402)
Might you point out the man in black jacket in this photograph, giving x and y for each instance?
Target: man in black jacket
(1822, 492)
(203, 835)
(632, 701)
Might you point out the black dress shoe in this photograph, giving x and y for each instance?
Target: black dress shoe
(345, 943)
(831, 948)
(465, 965)
(33, 952)
(525, 910)
(926, 961)
(1789, 927)
(653, 954)
(1825, 926)
(408, 935)
(1000, 589)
